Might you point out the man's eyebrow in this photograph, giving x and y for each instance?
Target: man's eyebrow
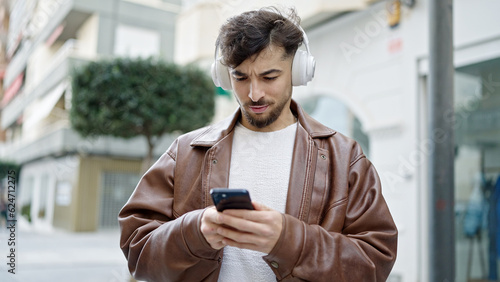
(239, 73)
(270, 72)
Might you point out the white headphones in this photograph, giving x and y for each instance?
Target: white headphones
(303, 67)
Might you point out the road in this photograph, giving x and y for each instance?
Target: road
(61, 256)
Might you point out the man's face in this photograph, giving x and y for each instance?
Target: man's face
(263, 87)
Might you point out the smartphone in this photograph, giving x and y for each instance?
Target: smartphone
(229, 198)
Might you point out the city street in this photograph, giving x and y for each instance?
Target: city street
(63, 256)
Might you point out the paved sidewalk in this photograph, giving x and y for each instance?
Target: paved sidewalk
(63, 256)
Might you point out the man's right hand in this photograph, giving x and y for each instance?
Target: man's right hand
(209, 227)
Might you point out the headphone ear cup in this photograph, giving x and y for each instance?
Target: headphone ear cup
(220, 75)
(303, 68)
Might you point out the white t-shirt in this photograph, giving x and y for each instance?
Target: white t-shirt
(260, 163)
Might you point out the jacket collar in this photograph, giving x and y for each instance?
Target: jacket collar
(218, 131)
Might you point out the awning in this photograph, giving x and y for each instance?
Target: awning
(13, 89)
(42, 107)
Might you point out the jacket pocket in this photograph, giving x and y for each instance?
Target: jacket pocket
(334, 216)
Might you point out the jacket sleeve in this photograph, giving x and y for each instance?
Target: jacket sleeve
(363, 250)
(158, 245)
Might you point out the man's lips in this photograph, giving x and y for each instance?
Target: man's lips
(259, 109)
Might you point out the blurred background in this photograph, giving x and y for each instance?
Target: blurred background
(370, 84)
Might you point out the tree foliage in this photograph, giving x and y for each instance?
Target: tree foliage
(130, 97)
(9, 168)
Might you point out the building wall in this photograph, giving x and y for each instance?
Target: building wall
(379, 73)
(133, 13)
(50, 183)
(40, 52)
(62, 171)
(38, 63)
(88, 194)
(86, 37)
(358, 65)
(65, 192)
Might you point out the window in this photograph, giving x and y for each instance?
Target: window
(337, 116)
(131, 41)
(477, 171)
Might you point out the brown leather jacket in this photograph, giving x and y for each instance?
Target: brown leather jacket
(337, 226)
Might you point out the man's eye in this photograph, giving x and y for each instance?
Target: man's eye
(240, 78)
(270, 78)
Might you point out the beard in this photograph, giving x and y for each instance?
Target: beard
(266, 119)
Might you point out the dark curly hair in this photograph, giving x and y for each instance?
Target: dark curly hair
(249, 33)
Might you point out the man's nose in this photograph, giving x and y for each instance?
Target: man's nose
(255, 92)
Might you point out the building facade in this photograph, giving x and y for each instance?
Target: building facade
(371, 84)
(66, 181)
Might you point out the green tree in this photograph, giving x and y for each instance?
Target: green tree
(131, 97)
(9, 168)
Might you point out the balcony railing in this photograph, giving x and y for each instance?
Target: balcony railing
(63, 62)
(61, 140)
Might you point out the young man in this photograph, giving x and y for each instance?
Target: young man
(319, 212)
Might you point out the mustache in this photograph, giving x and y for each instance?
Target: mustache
(261, 102)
